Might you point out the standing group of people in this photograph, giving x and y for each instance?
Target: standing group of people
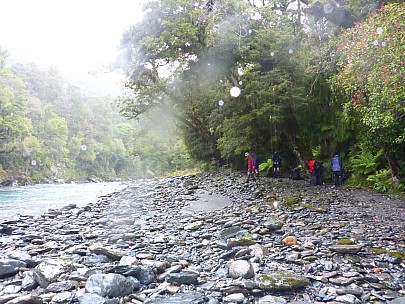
(253, 165)
(315, 169)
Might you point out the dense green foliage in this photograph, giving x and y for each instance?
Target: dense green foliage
(296, 84)
(51, 131)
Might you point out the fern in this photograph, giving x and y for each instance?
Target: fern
(381, 180)
(365, 163)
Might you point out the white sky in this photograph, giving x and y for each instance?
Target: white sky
(80, 37)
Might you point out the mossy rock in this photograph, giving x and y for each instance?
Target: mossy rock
(377, 251)
(345, 241)
(240, 241)
(397, 254)
(281, 281)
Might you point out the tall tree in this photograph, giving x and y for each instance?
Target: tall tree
(372, 73)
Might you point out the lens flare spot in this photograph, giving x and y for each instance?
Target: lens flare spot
(327, 8)
(235, 92)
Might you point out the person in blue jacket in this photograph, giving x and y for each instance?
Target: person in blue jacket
(336, 169)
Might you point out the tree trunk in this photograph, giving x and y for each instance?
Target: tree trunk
(393, 162)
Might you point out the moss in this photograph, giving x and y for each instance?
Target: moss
(345, 241)
(377, 251)
(289, 201)
(397, 254)
(282, 281)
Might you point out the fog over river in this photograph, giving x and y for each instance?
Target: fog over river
(37, 199)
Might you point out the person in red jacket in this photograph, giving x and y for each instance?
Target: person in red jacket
(311, 166)
(251, 167)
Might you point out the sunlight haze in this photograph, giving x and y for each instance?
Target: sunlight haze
(81, 38)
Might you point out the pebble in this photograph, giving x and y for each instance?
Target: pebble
(210, 239)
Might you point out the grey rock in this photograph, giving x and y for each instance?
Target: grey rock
(184, 298)
(29, 283)
(269, 299)
(346, 249)
(400, 300)
(109, 285)
(240, 269)
(62, 286)
(9, 267)
(182, 278)
(49, 271)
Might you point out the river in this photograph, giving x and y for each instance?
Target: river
(37, 199)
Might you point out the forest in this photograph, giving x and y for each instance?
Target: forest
(52, 132)
(208, 81)
(307, 79)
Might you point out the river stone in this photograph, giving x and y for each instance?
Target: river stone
(22, 256)
(273, 224)
(128, 260)
(110, 253)
(234, 298)
(184, 298)
(269, 299)
(259, 251)
(240, 269)
(49, 271)
(182, 278)
(8, 297)
(281, 281)
(348, 299)
(62, 286)
(290, 241)
(6, 229)
(26, 299)
(109, 285)
(90, 298)
(397, 301)
(28, 283)
(63, 297)
(346, 249)
(231, 232)
(193, 226)
(9, 267)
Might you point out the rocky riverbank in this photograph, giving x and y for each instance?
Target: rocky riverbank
(210, 239)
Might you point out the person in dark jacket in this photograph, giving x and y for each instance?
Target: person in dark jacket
(276, 164)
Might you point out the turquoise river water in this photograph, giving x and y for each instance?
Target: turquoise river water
(37, 199)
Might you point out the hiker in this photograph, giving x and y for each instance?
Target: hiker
(276, 164)
(296, 175)
(311, 165)
(251, 167)
(318, 171)
(257, 161)
(337, 169)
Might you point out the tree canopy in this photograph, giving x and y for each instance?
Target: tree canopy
(288, 61)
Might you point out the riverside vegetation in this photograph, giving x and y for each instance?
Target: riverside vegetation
(210, 239)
